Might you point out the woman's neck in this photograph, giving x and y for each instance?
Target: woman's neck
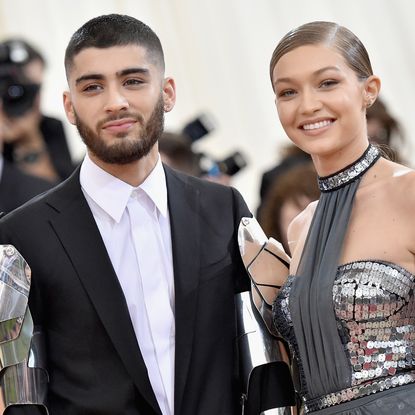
(328, 164)
(351, 172)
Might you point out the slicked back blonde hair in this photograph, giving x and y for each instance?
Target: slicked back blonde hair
(332, 35)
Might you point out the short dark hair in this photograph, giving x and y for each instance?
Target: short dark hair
(114, 30)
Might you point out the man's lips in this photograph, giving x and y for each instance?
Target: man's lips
(119, 125)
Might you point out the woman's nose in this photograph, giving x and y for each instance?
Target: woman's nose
(310, 102)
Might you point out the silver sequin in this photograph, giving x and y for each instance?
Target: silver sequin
(374, 305)
(330, 183)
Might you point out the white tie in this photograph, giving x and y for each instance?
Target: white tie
(156, 330)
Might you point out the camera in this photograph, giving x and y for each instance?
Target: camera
(17, 94)
(230, 165)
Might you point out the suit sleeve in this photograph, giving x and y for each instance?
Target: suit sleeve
(241, 279)
(5, 237)
(25, 410)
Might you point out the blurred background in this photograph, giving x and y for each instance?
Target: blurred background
(218, 51)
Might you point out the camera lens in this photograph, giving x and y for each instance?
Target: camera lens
(18, 98)
(15, 91)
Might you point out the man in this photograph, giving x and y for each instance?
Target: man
(16, 187)
(34, 142)
(134, 265)
(176, 151)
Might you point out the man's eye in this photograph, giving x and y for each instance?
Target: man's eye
(92, 88)
(133, 82)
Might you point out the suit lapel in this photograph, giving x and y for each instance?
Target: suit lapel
(184, 209)
(80, 237)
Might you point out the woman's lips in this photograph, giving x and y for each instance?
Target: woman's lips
(316, 127)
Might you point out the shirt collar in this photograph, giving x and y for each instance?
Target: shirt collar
(112, 194)
(155, 187)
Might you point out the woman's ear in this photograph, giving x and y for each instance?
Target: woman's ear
(169, 94)
(67, 104)
(371, 90)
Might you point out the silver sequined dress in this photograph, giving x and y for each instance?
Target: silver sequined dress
(352, 335)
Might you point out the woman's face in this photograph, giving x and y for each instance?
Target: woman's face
(320, 101)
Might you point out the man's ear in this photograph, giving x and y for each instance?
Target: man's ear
(371, 90)
(67, 104)
(169, 94)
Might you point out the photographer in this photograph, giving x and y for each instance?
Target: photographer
(33, 142)
(17, 187)
(176, 150)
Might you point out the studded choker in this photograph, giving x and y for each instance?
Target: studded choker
(350, 173)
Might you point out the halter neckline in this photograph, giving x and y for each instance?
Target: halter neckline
(351, 172)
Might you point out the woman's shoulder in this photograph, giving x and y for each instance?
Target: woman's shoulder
(299, 226)
(402, 179)
(389, 175)
(304, 216)
(403, 188)
(396, 186)
(399, 197)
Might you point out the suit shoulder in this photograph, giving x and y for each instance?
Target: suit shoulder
(213, 195)
(31, 209)
(211, 188)
(198, 184)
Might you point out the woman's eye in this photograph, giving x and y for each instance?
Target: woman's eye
(286, 93)
(328, 83)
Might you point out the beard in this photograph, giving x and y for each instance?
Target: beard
(126, 149)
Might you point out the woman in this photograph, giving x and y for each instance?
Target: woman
(348, 310)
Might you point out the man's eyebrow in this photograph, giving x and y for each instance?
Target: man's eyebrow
(318, 72)
(100, 77)
(89, 77)
(130, 71)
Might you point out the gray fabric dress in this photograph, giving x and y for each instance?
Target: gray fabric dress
(351, 327)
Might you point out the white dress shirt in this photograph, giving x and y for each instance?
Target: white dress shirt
(135, 227)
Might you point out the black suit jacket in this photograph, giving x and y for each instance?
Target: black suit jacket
(94, 361)
(17, 187)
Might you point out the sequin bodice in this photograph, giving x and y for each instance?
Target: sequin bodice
(374, 305)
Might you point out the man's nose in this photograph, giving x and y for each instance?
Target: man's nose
(116, 101)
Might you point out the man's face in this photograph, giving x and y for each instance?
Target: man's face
(117, 101)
